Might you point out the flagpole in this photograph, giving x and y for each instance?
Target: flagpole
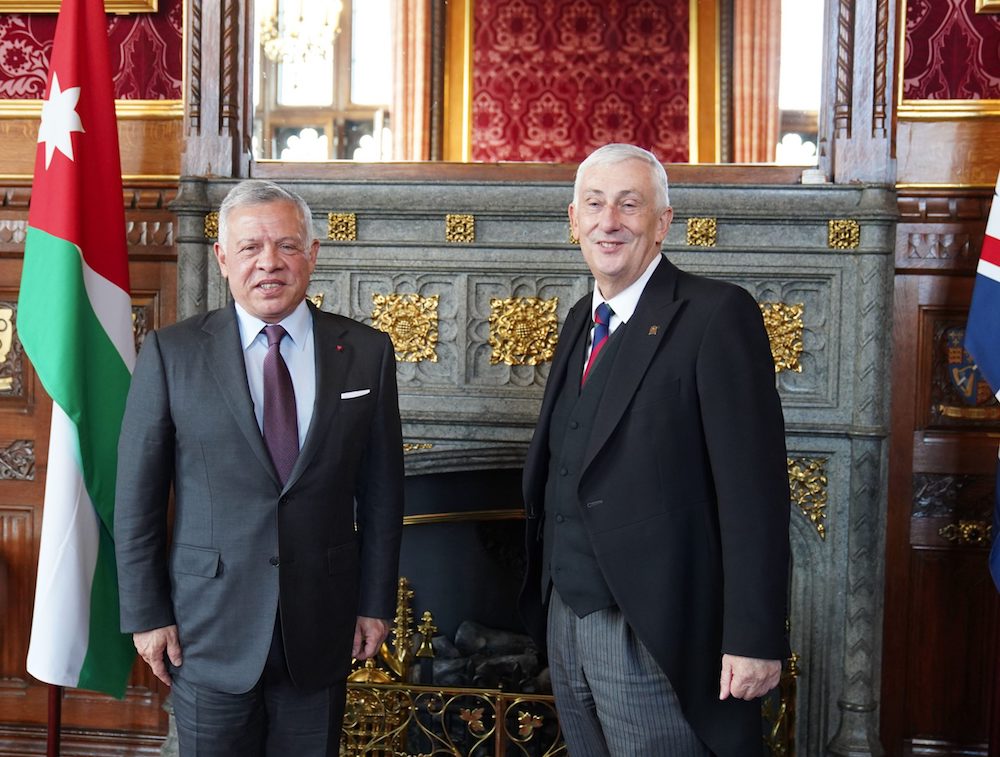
(55, 721)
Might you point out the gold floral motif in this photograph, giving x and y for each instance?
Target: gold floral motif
(702, 232)
(316, 299)
(573, 238)
(974, 532)
(807, 482)
(527, 723)
(784, 331)
(474, 718)
(342, 227)
(523, 330)
(460, 227)
(212, 225)
(411, 320)
(843, 234)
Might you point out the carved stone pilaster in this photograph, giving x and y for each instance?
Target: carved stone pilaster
(857, 733)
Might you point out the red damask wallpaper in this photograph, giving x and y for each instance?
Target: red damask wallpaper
(146, 50)
(554, 79)
(952, 52)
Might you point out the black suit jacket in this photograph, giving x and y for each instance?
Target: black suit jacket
(684, 490)
(326, 543)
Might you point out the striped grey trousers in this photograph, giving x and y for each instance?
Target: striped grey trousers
(612, 698)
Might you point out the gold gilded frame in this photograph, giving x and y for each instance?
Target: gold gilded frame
(124, 109)
(52, 6)
(937, 110)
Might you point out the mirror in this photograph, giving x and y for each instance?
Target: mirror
(395, 80)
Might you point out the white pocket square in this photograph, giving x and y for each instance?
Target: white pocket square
(355, 393)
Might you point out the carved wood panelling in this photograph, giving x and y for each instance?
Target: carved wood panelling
(845, 68)
(194, 70)
(149, 147)
(941, 231)
(229, 65)
(17, 553)
(880, 94)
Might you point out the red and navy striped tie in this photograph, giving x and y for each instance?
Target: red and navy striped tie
(602, 319)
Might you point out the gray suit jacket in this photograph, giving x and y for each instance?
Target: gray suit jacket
(326, 544)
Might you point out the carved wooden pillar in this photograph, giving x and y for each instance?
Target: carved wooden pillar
(217, 118)
(861, 90)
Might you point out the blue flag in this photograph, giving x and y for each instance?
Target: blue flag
(982, 339)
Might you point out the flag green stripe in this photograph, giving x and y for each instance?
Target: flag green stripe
(110, 653)
(76, 361)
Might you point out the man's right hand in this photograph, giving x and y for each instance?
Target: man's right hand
(153, 643)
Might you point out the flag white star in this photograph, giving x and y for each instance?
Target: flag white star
(59, 119)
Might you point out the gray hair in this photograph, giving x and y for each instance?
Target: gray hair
(260, 192)
(618, 153)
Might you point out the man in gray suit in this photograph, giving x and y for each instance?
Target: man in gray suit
(656, 492)
(278, 427)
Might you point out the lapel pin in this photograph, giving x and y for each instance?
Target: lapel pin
(653, 330)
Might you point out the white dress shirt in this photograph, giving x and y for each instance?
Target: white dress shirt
(299, 353)
(622, 304)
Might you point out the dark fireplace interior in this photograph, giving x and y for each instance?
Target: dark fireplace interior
(464, 558)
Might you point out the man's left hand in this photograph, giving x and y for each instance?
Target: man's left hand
(747, 677)
(369, 633)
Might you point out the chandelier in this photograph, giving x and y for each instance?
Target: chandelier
(300, 30)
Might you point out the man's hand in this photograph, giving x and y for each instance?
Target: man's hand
(153, 643)
(747, 677)
(369, 633)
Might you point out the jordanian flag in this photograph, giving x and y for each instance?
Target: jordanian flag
(982, 339)
(74, 319)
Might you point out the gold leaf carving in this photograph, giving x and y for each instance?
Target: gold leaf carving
(974, 532)
(702, 232)
(523, 330)
(212, 225)
(844, 234)
(460, 227)
(342, 227)
(411, 320)
(316, 299)
(784, 331)
(6, 345)
(416, 447)
(807, 482)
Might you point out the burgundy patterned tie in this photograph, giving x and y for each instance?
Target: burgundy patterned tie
(281, 426)
(602, 319)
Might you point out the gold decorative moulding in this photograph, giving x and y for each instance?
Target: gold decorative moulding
(702, 232)
(411, 321)
(843, 234)
(523, 330)
(316, 299)
(573, 238)
(784, 331)
(6, 345)
(971, 532)
(459, 227)
(212, 225)
(416, 447)
(342, 227)
(807, 482)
